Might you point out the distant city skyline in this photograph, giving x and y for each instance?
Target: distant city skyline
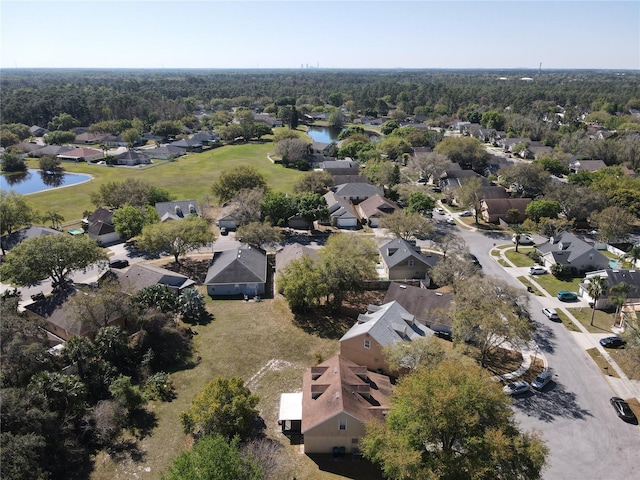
(311, 34)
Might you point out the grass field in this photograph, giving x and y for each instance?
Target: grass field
(602, 321)
(188, 177)
(553, 285)
(520, 258)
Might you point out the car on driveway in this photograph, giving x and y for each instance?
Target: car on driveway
(550, 313)
(541, 380)
(566, 296)
(516, 388)
(465, 213)
(451, 221)
(118, 263)
(623, 410)
(224, 231)
(537, 270)
(439, 210)
(612, 342)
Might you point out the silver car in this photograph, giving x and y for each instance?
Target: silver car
(541, 380)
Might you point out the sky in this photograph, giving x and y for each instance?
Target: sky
(452, 34)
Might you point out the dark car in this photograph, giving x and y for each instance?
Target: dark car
(623, 410)
(612, 342)
(567, 296)
(119, 263)
(224, 231)
(445, 334)
(475, 260)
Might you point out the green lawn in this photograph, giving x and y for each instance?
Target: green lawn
(553, 285)
(601, 321)
(520, 259)
(187, 177)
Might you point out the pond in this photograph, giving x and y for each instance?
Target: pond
(324, 134)
(33, 181)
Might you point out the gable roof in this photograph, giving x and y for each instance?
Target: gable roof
(493, 191)
(10, 241)
(101, 214)
(387, 324)
(138, 277)
(377, 205)
(567, 248)
(245, 264)
(176, 210)
(80, 153)
(420, 302)
(133, 155)
(349, 190)
(100, 228)
(398, 250)
(339, 207)
(294, 251)
(501, 206)
(339, 385)
(51, 150)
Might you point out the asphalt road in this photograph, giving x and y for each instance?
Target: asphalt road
(573, 414)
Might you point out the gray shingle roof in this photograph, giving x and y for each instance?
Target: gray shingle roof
(387, 324)
(294, 251)
(398, 250)
(568, 248)
(138, 277)
(245, 264)
(360, 190)
(420, 302)
(10, 241)
(176, 210)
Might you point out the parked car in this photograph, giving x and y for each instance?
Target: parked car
(445, 334)
(623, 410)
(550, 313)
(537, 270)
(451, 221)
(224, 231)
(524, 239)
(439, 210)
(465, 213)
(566, 296)
(612, 342)
(474, 260)
(541, 380)
(516, 388)
(422, 180)
(436, 189)
(118, 263)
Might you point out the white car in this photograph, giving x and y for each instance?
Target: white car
(439, 210)
(537, 270)
(524, 239)
(541, 380)
(451, 221)
(466, 213)
(516, 388)
(550, 313)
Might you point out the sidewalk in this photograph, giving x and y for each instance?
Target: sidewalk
(623, 386)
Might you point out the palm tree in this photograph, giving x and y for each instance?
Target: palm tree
(620, 293)
(55, 217)
(634, 254)
(596, 287)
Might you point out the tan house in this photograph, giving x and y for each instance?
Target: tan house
(338, 397)
(375, 207)
(380, 327)
(494, 210)
(403, 261)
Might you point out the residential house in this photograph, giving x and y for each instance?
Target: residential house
(267, 120)
(294, 251)
(320, 148)
(131, 158)
(507, 143)
(426, 305)
(356, 192)
(53, 150)
(382, 326)
(206, 137)
(340, 179)
(588, 165)
(496, 210)
(187, 144)
(90, 138)
(37, 131)
(340, 167)
(493, 191)
(613, 277)
(538, 151)
(227, 218)
(165, 152)
(61, 318)
(99, 226)
(140, 276)
(240, 271)
(338, 398)
(572, 252)
(375, 207)
(176, 210)
(401, 260)
(118, 141)
(342, 213)
(29, 148)
(15, 238)
(81, 154)
(495, 163)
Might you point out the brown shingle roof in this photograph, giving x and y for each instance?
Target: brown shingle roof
(340, 385)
